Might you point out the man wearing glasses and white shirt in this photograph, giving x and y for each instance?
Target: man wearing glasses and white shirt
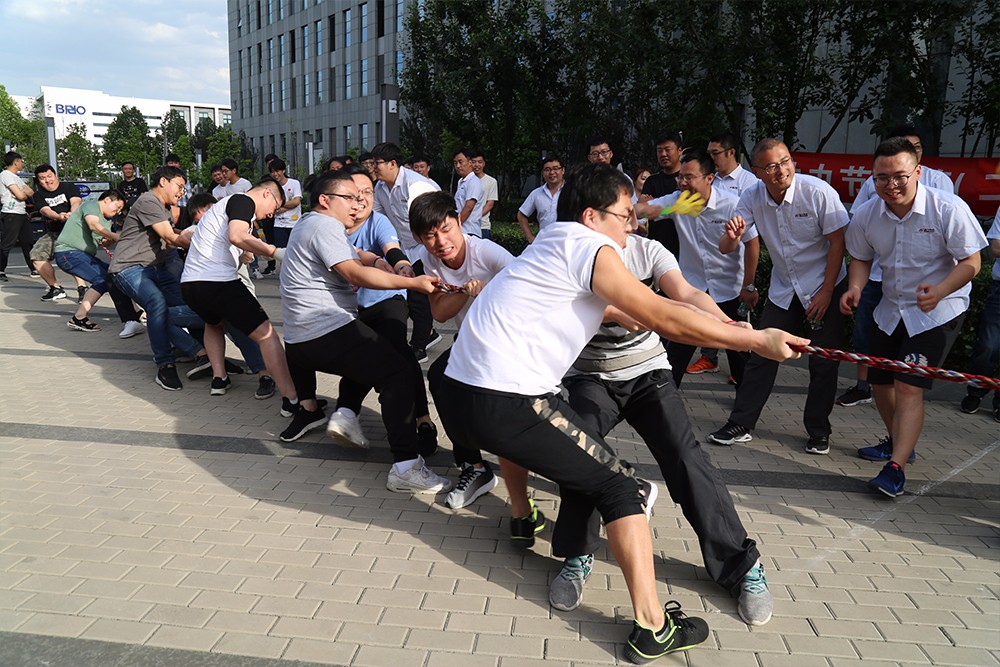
(543, 200)
(801, 220)
(729, 173)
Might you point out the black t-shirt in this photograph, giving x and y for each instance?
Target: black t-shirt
(664, 231)
(59, 200)
(131, 190)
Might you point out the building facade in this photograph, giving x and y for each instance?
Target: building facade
(315, 74)
(96, 109)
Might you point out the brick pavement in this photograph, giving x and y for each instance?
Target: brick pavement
(143, 527)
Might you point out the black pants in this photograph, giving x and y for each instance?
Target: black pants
(388, 319)
(760, 373)
(420, 313)
(463, 451)
(680, 354)
(15, 228)
(652, 406)
(355, 351)
(544, 435)
(267, 225)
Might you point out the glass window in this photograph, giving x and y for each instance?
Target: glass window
(291, 46)
(227, 118)
(363, 11)
(347, 27)
(399, 66)
(348, 137)
(281, 50)
(270, 54)
(364, 77)
(319, 87)
(319, 38)
(333, 33)
(260, 58)
(270, 12)
(242, 60)
(305, 89)
(364, 135)
(305, 41)
(347, 81)
(270, 93)
(281, 9)
(284, 97)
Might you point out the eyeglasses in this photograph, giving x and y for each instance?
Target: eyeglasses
(360, 201)
(882, 181)
(596, 154)
(551, 170)
(624, 217)
(681, 178)
(367, 192)
(719, 152)
(775, 166)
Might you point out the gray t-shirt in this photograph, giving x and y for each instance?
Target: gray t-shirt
(138, 243)
(8, 202)
(315, 298)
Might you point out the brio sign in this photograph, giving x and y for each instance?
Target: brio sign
(71, 109)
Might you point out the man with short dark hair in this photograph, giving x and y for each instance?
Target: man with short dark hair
(668, 154)
(491, 193)
(13, 197)
(291, 210)
(131, 186)
(219, 191)
(233, 182)
(174, 160)
(55, 201)
(543, 200)
(729, 173)
(422, 166)
(469, 195)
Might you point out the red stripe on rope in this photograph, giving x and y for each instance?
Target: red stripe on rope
(981, 381)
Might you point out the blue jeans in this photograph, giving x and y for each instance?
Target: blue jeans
(986, 355)
(156, 290)
(89, 268)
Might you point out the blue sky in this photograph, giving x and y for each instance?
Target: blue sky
(161, 49)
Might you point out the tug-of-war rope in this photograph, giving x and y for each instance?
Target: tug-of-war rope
(892, 365)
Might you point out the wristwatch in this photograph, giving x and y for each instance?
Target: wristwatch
(750, 288)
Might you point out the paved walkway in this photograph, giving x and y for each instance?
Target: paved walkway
(142, 527)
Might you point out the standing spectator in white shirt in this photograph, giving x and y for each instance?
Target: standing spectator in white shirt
(802, 221)
(702, 264)
(864, 322)
(231, 173)
(469, 196)
(491, 192)
(422, 165)
(219, 191)
(927, 242)
(289, 212)
(543, 200)
(729, 173)
(392, 199)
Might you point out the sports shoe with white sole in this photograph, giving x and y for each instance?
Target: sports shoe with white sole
(471, 484)
(418, 479)
(346, 431)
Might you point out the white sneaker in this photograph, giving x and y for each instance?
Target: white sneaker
(418, 479)
(131, 328)
(346, 431)
(257, 275)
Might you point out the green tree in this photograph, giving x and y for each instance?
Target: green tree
(171, 129)
(78, 156)
(128, 140)
(26, 135)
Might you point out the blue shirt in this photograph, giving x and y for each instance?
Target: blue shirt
(372, 235)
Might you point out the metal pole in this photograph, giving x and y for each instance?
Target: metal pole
(50, 132)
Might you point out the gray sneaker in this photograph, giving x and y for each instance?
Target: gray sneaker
(418, 479)
(346, 431)
(755, 605)
(566, 591)
(471, 484)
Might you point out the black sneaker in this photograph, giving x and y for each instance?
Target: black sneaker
(82, 325)
(233, 368)
(35, 274)
(433, 340)
(730, 434)
(855, 396)
(818, 444)
(524, 528)
(202, 368)
(421, 354)
(220, 386)
(80, 291)
(287, 409)
(3, 277)
(427, 439)
(970, 404)
(996, 414)
(167, 378)
(679, 633)
(303, 421)
(265, 388)
(54, 294)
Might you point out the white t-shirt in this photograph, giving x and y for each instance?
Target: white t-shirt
(491, 192)
(211, 257)
(471, 187)
(8, 202)
(315, 298)
(795, 233)
(483, 261)
(394, 203)
(921, 247)
(530, 323)
(219, 191)
(287, 219)
(241, 186)
(543, 203)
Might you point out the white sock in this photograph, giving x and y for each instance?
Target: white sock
(347, 412)
(402, 466)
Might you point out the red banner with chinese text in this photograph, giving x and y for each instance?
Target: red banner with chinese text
(977, 180)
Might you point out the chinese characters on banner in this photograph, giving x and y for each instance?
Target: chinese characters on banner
(976, 180)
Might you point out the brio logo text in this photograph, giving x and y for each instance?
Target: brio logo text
(71, 109)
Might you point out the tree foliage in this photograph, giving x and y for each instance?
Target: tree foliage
(26, 135)
(128, 140)
(78, 156)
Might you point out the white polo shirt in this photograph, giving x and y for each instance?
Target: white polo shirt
(701, 262)
(471, 187)
(922, 247)
(736, 182)
(543, 203)
(395, 204)
(795, 233)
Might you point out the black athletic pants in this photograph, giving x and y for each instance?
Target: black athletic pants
(388, 319)
(760, 373)
(355, 351)
(15, 228)
(463, 452)
(420, 313)
(651, 405)
(680, 354)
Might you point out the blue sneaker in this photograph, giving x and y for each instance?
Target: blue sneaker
(890, 481)
(883, 451)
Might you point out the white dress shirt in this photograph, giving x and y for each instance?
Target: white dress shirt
(737, 181)
(395, 205)
(543, 203)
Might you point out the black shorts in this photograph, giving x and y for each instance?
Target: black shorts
(925, 349)
(230, 301)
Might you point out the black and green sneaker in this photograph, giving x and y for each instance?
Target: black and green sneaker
(679, 633)
(524, 528)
